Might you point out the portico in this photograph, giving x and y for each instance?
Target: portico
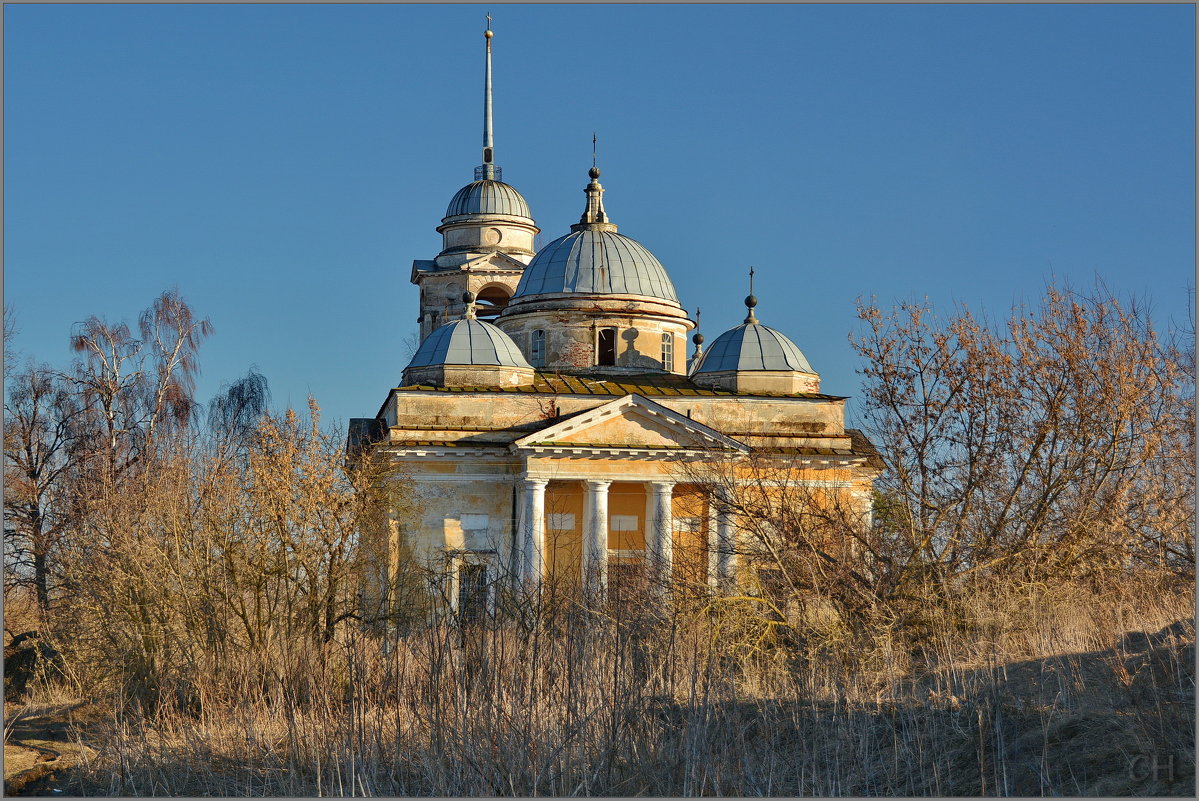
(573, 529)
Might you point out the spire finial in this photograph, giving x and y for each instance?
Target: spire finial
(488, 170)
(697, 337)
(594, 217)
(468, 298)
(750, 300)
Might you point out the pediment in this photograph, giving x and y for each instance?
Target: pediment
(493, 261)
(631, 423)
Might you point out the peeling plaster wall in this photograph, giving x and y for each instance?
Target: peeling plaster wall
(490, 232)
(478, 475)
(450, 518)
(571, 326)
(494, 417)
(441, 293)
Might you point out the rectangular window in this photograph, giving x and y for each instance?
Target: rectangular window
(473, 588)
(475, 522)
(537, 348)
(561, 521)
(606, 348)
(668, 351)
(624, 522)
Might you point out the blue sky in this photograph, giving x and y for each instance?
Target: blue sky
(282, 165)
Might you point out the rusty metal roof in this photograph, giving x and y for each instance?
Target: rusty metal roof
(646, 384)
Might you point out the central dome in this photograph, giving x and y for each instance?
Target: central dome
(596, 262)
(488, 197)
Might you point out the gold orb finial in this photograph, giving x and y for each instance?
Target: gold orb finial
(488, 34)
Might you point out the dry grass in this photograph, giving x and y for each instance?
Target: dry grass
(1026, 696)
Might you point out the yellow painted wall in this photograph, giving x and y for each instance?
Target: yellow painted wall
(627, 499)
(690, 547)
(564, 548)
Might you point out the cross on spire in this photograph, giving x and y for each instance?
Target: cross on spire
(750, 300)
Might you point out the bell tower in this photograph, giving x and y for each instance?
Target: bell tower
(487, 237)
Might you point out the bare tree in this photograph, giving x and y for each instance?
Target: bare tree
(1029, 449)
(135, 388)
(40, 432)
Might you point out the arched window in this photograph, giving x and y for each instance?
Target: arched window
(605, 347)
(537, 348)
(668, 351)
(491, 300)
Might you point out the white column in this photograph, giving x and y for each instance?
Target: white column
(713, 544)
(659, 531)
(533, 530)
(726, 544)
(595, 537)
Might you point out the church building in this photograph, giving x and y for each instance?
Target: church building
(550, 422)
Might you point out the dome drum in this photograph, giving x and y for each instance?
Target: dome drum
(510, 235)
(763, 382)
(573, 341)
(477, 375)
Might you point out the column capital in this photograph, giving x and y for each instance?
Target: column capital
(596, 484)
(535, 481)
(663, 487)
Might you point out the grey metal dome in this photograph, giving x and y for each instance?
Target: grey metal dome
(752, 346)
(596, 262)
(468, 342)
(488, 197)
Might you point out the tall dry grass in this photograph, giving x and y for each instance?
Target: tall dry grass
(1032, 692)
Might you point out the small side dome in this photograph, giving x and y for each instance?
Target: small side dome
(596, 262)
(469, 342)
(488, 197)
(753, 346)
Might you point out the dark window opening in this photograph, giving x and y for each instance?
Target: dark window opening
(537, 349)
(491, 301)
(606, 355)
(472, 593)
(626, 581)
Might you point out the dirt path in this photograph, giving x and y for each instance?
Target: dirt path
(41, 742)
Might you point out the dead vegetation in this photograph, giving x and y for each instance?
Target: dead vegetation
(1017, 619)
(1067, 702)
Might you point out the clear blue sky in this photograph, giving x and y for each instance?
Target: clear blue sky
(282, 165)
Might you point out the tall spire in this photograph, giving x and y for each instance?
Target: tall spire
(488, 169)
